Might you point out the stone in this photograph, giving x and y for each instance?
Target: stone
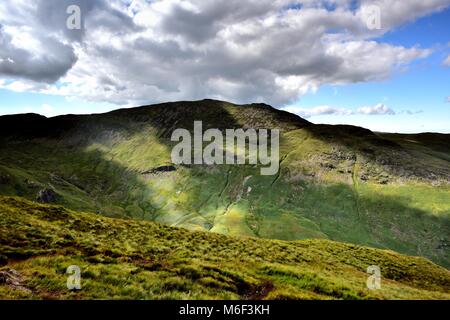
(47, 195)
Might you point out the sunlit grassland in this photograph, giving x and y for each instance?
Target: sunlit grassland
(126, 259)
(335, 182)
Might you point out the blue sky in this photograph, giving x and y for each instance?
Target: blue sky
(12, 102)
(411, 98)
(422, 88)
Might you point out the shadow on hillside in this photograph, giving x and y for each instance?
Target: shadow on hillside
(58, 152)
(91, 178)
(83, 180)
(387, 221)
(389, 155)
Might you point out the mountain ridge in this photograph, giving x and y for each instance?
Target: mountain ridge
(341, 183)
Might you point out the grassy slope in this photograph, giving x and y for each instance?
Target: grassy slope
(127, 259)
(336, 182)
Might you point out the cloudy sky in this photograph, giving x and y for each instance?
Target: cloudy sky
(384, 64)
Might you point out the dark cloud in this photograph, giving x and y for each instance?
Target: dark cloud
(52, 16)
(139, 51)
(46, 66)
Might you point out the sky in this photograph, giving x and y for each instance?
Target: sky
(383, 65)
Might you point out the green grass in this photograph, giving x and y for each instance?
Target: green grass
(339, 183)
(126, 259)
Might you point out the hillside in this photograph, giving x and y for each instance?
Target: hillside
(128, 259)
(339, 183)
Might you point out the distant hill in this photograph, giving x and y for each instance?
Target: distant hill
(340, 183)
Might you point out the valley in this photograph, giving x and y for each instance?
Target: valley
(339, 183)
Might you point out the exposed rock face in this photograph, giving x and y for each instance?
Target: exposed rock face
(12, 278)
(161, 169)
(56, 179)
(9, 277)
(47, 195)
(31, 184)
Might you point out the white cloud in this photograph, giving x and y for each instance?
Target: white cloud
(136, 52)
(395, 13)
(447, 61)
(410, 112)
(318, 111)
(379, 109)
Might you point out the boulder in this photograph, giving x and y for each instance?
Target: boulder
(10, 277)
(31, 184)
(13, 279)
(47, 195)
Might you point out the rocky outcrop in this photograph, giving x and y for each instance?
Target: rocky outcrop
(160, 170)
(13, 279)
(47, 195)
(31, 184)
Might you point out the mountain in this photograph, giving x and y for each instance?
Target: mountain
(130, 259)
(339, 183)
